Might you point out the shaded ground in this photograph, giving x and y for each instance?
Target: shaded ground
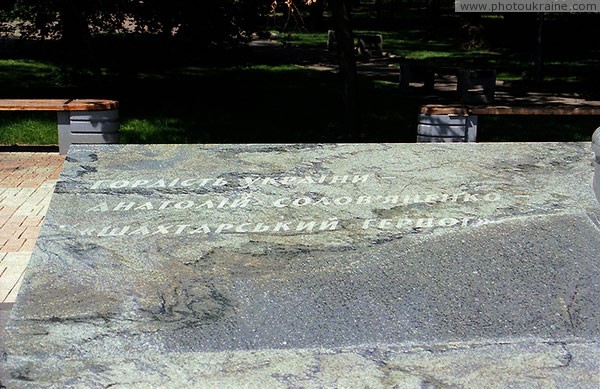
(383, 73)
(288, 90)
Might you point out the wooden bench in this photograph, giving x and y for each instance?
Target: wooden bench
(476, 86)
(473, 86)
(79, 121)
(443, 123)
(368, 45)
(413, 72)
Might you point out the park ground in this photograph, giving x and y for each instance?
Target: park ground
(288, 90)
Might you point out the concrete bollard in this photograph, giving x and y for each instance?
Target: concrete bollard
(596, 148)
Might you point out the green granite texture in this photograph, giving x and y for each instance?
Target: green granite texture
(596, 148)
(471, 265)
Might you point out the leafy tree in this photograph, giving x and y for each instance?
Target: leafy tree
(224, 23)
(341, 10)
(217, 22)
(69, 20)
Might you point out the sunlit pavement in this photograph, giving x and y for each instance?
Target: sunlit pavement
(27, 180)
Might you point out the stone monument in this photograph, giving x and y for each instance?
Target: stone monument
(313, 265)
(596, 148)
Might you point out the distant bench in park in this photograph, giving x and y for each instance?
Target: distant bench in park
(368, 45)
(79, 121)
(454, 123)
(473, 86)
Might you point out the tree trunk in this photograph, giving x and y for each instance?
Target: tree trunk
(74, 23)
(471, 31)
(75, 44)
(434, 7)
(379, 9)
(539, 57)
(347, 62)
(316, 14)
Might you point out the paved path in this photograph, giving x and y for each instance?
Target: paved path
(27, 180)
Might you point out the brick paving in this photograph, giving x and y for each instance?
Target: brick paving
(27, 180)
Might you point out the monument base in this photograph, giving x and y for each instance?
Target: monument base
(313, 265)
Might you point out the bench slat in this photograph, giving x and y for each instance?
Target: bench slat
(501, 110)
(444, 110)
(57, 105)
(506, 110)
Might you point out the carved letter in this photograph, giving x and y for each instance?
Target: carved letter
(305, 226)
(102, 207)
(358, 178)
(330, 224)
(124, 206)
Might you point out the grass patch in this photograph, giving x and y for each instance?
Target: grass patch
(274, 104)
(520, 128)
(154, 130)
(251, 104)
(24, 73)
(305, 39)
(28, 128)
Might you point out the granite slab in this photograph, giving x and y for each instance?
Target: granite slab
(314, 265)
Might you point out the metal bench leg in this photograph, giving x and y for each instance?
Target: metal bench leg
(471, 128)
(64, 132)
(87, 127)
(405, 76)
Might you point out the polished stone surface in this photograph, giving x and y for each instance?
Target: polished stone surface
(314, 265)
(596, 148)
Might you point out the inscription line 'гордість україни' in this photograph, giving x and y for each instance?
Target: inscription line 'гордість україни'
(243, 182)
